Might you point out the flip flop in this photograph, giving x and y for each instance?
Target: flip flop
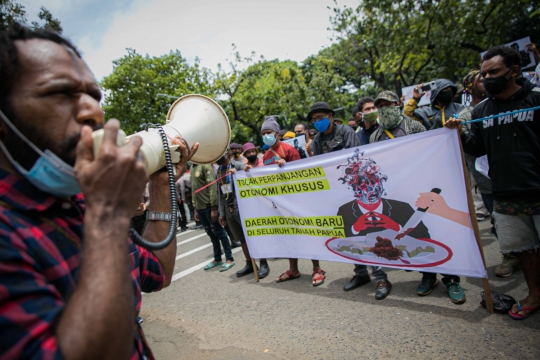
(212, 265)
(316, 276)
(517, 316)
(227, 266)
(289, 277)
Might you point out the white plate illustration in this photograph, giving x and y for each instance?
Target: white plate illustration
(415, 252)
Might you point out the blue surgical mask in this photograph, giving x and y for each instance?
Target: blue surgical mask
(49, 173)
(269, 139)
(322, 125)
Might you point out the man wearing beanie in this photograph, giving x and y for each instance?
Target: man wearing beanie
(280, 153)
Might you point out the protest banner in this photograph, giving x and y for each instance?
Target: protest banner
(366, 205)
(527, 57)
(407, 92)
(299, 143)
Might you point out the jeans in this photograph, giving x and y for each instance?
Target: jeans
(217, 234)
(445, 278)
(376, 271)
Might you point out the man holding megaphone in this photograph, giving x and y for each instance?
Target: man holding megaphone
(68, 287)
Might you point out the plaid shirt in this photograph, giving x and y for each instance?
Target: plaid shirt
(40, 260)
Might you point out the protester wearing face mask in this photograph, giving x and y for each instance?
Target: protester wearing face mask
(394, 125)
(280, 153)
(229, 214)
(331, 137)
(70, 278)
(251, 155)
(511, 143)
(370, 116)
(442, 106)
(473, 87)
(236, 157)
(392, 122)
(253, 161)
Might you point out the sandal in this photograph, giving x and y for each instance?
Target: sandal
(227, 266)
(289, 277)
(528, 312)
(212, 265)
(318, 276)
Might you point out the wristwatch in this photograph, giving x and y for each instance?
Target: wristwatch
(155, 215)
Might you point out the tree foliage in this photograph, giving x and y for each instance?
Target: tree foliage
(396, 43)
(11, 11)
(380, 45)
(281, 88)
(266, 87)
(132, 90)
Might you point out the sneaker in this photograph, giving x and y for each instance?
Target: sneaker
(456, 293)
(509, 264)
(480, 217)
(426, 285)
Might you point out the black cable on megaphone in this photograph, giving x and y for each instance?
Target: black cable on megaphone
(133, 234)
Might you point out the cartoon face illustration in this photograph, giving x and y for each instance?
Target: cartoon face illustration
(364, 178)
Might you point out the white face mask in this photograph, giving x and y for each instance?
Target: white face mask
(49, 173)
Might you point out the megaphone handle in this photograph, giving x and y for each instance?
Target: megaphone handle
(133, 234)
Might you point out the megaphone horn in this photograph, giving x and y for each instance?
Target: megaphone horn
(196, 118)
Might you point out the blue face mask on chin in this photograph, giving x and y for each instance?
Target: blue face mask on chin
(322, 125)
(49, 173)
(269, 139)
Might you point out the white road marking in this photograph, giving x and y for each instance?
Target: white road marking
(193, 251)
(197, 267)
(185, 232)
(191, 239)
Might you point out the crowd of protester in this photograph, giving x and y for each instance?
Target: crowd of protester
(46, 163)
(386, 117)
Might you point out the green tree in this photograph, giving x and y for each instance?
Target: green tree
(282, 88)
(395, 43)
(132, 90)
(11, 11)
(326, 83)
(266, 87)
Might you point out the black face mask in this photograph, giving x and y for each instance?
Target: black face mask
(445, 96)
(495, 86)
(251, 158)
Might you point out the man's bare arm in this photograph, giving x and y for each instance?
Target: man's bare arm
(99, 319)
(160, 200)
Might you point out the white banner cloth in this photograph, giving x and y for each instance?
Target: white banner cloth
(364, 205)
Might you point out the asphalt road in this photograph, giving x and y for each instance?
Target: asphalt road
(215, 315)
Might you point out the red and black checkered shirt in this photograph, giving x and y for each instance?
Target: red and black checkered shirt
(40, 260)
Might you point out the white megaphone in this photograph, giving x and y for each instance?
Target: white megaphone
(196, 118)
